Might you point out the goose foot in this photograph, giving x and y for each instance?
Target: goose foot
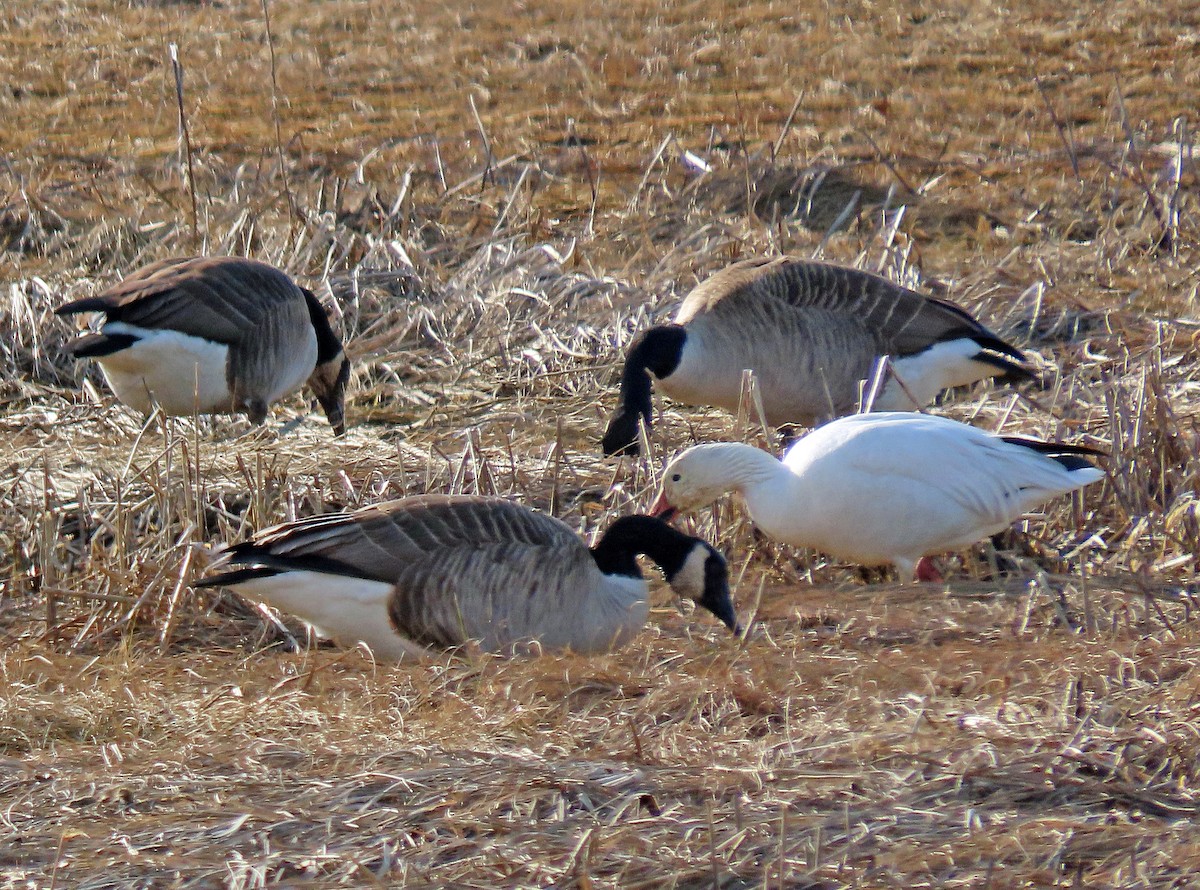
(927, 571)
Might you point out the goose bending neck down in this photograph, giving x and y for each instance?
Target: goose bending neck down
(656, 352)
(879, 489)
(432, 572)
(811, 332)
(213, 335)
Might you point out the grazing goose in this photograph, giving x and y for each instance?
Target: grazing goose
(435, 571)
(811, 332)
(882, 488)
(214, 335)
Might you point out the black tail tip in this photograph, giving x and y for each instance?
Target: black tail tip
(99, 344)
(235, 577)
(1010, 371)
(992, 343)
(87, 304)
(1074, 462)
(1072, 457)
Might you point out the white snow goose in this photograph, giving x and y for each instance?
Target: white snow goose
(878, 489)
(811, 332)
(214, 335)
(436, 571)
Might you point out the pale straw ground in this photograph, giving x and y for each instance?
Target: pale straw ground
(497, 197)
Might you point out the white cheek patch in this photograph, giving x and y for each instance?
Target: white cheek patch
(689, 580)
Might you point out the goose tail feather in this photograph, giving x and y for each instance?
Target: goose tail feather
(255, 561)
(1011, 371)
(98, 345)
(237, 576)
(87, 304)
(1071, 457)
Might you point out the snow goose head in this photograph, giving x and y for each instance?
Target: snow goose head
(703, 473)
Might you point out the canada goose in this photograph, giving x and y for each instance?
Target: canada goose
(882, 488)
(214, 335)
(435, 571)
(810, 332)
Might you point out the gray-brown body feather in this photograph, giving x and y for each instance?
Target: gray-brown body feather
(466, 568)
(251, 307)
(784, 290)
(810, 330)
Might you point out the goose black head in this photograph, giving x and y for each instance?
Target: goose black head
(703, 576)
(332, 372)
(656, 352)
(691, 566)
(328, 383)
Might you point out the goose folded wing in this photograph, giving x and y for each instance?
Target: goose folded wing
(223, 300)
(982, 476)
(907, 321)
(383, 540)
(496, 594)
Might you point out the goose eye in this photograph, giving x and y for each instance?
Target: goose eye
(675, 477)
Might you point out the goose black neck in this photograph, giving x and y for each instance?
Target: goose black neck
(630, 536)
(658, 351)
(328, 343)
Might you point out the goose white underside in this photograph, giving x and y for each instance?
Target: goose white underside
(709, 377)
(187, 374)
(349, 610)
(941, 366)
(184, 374)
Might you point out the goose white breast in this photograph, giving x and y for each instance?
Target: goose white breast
(879, 489)
(437, 571)
(811, 332)
(214, 334)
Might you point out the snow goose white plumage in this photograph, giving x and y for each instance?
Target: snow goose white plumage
(811, 332)
(435, 571)
(878, 489)
(214, 335)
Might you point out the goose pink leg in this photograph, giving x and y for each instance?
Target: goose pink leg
(927, 571)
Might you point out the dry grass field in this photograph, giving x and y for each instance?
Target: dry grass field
(496, 197)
